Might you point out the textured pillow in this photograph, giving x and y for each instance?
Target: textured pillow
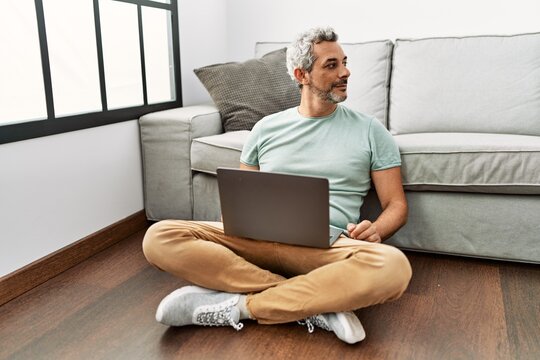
(246, 92)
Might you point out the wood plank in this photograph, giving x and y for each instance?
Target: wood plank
(30, 276)
(453, 309)
(521, 285)
(45, 307)
(117, 321)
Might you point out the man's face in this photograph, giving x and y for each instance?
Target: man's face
(328, 77)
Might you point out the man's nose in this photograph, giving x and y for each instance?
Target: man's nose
(345, 72)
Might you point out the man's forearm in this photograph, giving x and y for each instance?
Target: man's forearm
(393, 217)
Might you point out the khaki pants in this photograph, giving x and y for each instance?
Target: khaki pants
(284, 283)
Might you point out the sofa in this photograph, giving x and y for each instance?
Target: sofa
(464, 111)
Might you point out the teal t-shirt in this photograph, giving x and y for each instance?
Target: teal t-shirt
(343, 147)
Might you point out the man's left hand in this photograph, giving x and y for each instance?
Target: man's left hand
(366, 231)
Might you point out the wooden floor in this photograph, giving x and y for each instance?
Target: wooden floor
(455, 308)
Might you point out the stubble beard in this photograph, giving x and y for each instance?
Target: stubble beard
(328, 95)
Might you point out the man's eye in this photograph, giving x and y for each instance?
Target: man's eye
(331, 66)
(345, 63)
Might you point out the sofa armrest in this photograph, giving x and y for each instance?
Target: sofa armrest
(166, 146)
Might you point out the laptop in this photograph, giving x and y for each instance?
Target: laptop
(276, 207)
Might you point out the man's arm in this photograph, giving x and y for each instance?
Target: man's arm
(394, 204)
(247, 167)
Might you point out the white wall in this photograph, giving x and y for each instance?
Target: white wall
(374, 20)
(248, 21)
(58, 189)
(203, 41)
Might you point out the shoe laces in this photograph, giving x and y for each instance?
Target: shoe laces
(218, 315)
(313, 321)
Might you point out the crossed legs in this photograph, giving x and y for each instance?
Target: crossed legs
(283, 283)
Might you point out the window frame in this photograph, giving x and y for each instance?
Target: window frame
(56, 125)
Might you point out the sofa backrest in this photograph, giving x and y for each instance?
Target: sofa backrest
(370, 65)
(485, 84)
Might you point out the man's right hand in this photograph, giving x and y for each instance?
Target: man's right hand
(366, 231)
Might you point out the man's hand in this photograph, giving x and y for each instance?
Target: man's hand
(366, 231)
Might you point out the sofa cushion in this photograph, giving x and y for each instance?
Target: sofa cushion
(209, 152)
(246, 92)
(462, 162)
(465, 162)
(370, 65)
(488, 84)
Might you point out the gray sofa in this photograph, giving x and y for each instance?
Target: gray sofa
(465, 113)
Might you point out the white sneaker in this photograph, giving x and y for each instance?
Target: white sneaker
(345, 325)
(199, 306)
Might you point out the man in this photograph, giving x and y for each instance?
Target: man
(274, 283)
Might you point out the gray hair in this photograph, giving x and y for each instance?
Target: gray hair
(300, 52)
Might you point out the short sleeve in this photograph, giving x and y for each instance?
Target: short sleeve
(384, 151)
(250, 151)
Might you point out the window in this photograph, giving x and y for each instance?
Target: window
(20, 68)
(73, 57)
(158, 60)
(69, 65)
(121, 53)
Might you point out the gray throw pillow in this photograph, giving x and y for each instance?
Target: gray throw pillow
(246, 92)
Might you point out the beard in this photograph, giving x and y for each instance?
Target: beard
(328, 95)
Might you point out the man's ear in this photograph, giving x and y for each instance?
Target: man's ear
(301, 76)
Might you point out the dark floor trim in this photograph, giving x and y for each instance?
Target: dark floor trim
(36, 273)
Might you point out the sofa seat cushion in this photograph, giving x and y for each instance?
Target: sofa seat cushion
(209, 152)
(470, 162)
